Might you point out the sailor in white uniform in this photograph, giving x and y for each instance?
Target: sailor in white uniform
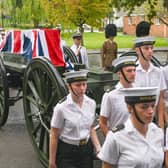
(113, 108)
(138, 143)
(79, 50)
(148, 75)
(72, 135)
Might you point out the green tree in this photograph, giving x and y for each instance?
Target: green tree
(162, 12)
(76, 12)
(129, 5)
(36, 12)
(19, 3)
(28, 12)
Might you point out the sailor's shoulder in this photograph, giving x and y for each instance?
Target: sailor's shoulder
(117, 128)
(62, 100)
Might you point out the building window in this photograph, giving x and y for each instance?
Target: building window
(142, 17)
(157, 21)
(129, 20)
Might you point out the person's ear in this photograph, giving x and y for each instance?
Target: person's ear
(119, 73)
(68, 85)
(136, 49)
(130, 108)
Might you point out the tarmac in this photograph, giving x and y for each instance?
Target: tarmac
(16, 150)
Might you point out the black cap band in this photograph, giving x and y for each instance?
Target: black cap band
(76, 79)
(139, 99)
(144, 43)
(124, 64)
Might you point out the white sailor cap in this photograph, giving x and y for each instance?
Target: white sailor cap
(139, 94)
(146, 40)
(77, 35)
(74, 76)
(3, 33)
(123, 61)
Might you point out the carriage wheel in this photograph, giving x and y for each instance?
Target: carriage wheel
(4, 94)
(69, 54)
(42, 89)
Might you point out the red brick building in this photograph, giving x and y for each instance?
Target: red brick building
(157, 29)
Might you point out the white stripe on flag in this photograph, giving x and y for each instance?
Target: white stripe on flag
(42, 38)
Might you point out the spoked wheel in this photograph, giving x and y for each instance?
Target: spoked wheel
(4, 94)
(69, 55)
(42, 89)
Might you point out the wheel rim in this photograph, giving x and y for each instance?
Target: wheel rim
(4, 94)
(69, 54)
(42, 89)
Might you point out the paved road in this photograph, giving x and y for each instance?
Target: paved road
(16, 150)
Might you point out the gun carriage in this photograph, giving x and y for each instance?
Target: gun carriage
(39, 82)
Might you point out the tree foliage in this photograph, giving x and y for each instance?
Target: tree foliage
(130, 5)
(19, 3)
(76, 12)
(162, 12)
(23, 12)
(71, 13)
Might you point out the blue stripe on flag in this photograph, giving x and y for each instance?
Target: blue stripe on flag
(27, 48)
(8, 44)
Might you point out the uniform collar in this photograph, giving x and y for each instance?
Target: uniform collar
(70, 100)
(74, 46)
(139, 67)
(119, 85)
(131, 129)
(111, 41)
(129, 126)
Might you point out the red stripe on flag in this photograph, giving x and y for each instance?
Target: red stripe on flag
(34, 52)
(54, 49)
(17, 41)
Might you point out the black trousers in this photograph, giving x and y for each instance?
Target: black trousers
(72, 156)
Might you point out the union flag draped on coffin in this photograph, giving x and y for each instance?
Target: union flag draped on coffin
(33, 43)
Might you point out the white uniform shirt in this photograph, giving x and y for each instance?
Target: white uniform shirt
(165, 73)
(151, 78)
(166, 139)
(127, 148)
(83, 54)
(74, 122)
(114, 108)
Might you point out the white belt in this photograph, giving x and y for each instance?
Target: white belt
(75, 142)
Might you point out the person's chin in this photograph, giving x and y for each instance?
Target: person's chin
(132, 80)
(80, 94)
(149, 58)
(149, 119)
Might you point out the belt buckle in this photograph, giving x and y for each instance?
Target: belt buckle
(82, 142)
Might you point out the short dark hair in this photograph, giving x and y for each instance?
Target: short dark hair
(110, 30)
